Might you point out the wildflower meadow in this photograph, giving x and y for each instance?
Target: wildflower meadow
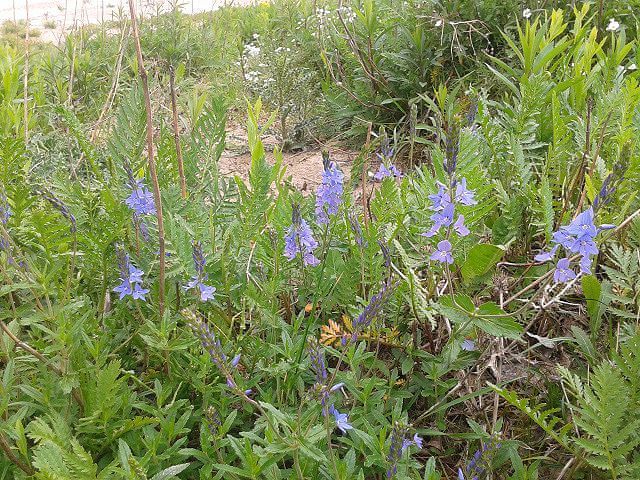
(297, 240)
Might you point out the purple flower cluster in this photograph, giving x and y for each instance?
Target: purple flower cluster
(319, 367)
(329, 194)
(213, 420)
(213, 346)
(130, 278)
(342, 419)
(141, 199)
(373, 309)
(60, 206)
(5, 209)
(356, 228)
(199, 261)
(480, 462)
(443, 204)
(299, 240)
(578, 238)
(386, 168)
(385, 171)
(398, 444)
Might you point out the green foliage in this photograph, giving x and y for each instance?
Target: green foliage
(535, 113)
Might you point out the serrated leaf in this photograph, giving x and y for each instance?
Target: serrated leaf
(481, 259)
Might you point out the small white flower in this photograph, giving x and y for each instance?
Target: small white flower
(613, 25)
(632, 67)
(621, 69)
(439, 23)
(526, 13)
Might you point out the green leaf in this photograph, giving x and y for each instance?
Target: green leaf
(493, 320)
(592, 290)
(480, 260)
(170, 472)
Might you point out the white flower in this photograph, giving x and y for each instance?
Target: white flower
(613, 25)
(621, 69)
(526, 13)
(439, 23)
(632, 67)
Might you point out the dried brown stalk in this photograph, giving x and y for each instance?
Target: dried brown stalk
(150, 152)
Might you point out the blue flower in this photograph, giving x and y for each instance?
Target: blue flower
(443, 253)
(468, 345)
(130, 278)
(563, 271)
(463, 195)
(342, 419)
(197, 281)
(445, 208)
(357, 229)
(141, 199)
(373, 309)
(546, 256)
(441, 199)
(384, 172)
(397, 445)
(329, 194)
(582, 226)
(577, 237)
(299, 239)
(213, 346)
(5, 209)
(416, 440)
(460, 227)
(481, 460)
(60, 206)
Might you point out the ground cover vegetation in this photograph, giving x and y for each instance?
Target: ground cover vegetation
(463, 303)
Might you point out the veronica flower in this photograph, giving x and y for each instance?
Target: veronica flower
(357, 229)
(384, 172)
(319, 367)
(130, 278)
(5, 209)
(441, 199)
(464, 195)
(460, 228)
(468, 345)
(318, 364)
(342, 419)
(443, 253)
(445, 208)
(60, 206)
(142, 226)
(577, 237)
(141, 199)
(481, 460)
(373, 309)
(299, 240)
(197, 281)
(416, 440)
(398, 443)
(213, 420)
(213, 346)
(329, 195)
(563, 271)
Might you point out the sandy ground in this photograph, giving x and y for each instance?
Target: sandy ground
(305, 167)
(55, 17)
